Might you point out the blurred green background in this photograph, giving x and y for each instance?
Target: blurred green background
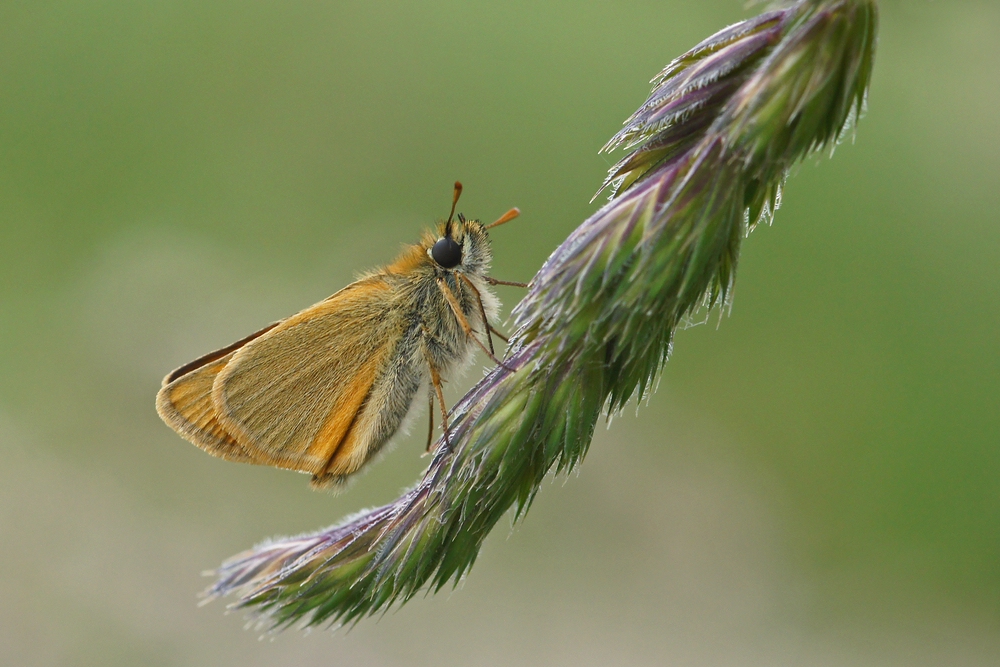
(816, 482)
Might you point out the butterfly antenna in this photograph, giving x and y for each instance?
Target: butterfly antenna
(506, 217)
(454, 203)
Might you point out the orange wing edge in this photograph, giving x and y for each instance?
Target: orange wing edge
(184, 402)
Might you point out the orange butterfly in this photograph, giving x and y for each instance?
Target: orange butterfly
(324, 390)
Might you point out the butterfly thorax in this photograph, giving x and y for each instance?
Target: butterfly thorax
(419, 278)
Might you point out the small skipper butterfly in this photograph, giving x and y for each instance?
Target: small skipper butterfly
(324, 390)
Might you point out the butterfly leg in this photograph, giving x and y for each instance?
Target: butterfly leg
(460, 316)
(482, 309)
(439, 390)
(436, 381)
(430, 419)
(494, 281)
(500, 335)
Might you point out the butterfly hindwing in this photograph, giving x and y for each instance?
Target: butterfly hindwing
(185, 402)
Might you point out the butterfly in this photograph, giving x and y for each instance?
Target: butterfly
(323, 391)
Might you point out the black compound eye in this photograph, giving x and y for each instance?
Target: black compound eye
(447, 253)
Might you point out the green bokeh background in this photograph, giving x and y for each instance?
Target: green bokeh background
(816, 482)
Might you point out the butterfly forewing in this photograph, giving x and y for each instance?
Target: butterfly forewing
(206, 359)
(293, 397)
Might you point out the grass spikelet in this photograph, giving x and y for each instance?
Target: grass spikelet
(705, 159)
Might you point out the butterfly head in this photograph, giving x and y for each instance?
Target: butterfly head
(461, 245)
